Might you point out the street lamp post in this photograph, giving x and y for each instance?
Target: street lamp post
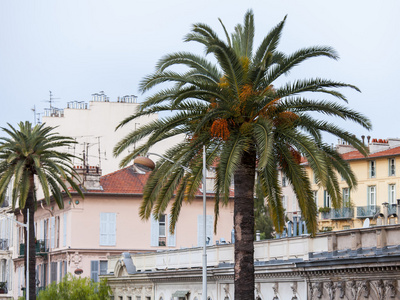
(27, 249)
(146, 164)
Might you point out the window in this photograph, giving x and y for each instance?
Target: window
(372, 169)
(284, 180)
(65, 267)
(315, 179)
(327, 199)
(108, 229)
(315, 197)
(372, 196)
(138, 297)
(103, 267)
(161, 226)
(60, 265)
(65, 230)
(284, 202)
(160, 235)
(209, 230)
(346, 197)
(392, 167)
(392, 194)
(53, 272)
(54, 232)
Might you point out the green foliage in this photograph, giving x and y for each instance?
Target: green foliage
(74, 288)
(324, 209)
(237, 104)
(262, 220)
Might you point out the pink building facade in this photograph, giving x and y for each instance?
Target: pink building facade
(106, 222)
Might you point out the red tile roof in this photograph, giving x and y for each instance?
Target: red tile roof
(354, 155)
(124, 181)
(128, 181)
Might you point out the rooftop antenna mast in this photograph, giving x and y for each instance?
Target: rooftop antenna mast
(34, 114)
(51, 100)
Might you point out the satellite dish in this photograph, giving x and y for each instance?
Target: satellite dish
(366, 223)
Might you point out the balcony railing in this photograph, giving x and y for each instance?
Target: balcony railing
(342, 213)
(3, 244)
(42, 247)
(392, 209)
(367, 211)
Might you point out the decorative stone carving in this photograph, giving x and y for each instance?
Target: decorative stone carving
(293, 286)
(226, 289)
(331, 290)
(380, 287)
(319, 288)
(75, 259)
(341, 286)
(353, 289)
(275, 287)
(365, 288)
(391, 288)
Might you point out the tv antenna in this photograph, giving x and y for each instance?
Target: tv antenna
(51, 100)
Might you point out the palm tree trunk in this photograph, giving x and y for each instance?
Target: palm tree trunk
(30, 204)
(244, 227)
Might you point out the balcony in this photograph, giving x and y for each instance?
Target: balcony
(367, 211)
(42, 248)
(342, 213)
(4, 244)
(392, 209)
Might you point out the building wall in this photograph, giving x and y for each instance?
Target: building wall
(97, 124)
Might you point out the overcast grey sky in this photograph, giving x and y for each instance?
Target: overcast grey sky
(75, 48)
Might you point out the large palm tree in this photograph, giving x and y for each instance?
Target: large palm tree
(252, 124)
(30, 153)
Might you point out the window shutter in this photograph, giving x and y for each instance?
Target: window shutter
(94, 270)
(60, 271)
(52, 231)
(171, 237)
(65, 267)
(324, 198)
(103, 229)
(65, 230)
(112, 222)
(103, 267)
(154, 231)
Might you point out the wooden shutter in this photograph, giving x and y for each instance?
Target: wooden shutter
(94, 270)
(52, 231)
(154, 231)
(103, 229)
(65, 230)
(171, 237)
(112, 228)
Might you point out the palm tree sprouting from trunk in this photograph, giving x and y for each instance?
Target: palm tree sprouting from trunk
(30, 153)
(252, 126)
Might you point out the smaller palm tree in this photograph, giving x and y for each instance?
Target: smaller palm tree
(28, 154)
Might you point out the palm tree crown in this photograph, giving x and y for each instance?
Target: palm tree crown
(27, 153)
(251, 125)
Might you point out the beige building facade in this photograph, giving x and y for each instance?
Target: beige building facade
(375, 197)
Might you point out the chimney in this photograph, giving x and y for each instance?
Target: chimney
(368, 138)
(363, 139)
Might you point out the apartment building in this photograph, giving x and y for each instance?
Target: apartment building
(79, 238)
(375, 197)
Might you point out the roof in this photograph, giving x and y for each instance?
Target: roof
(124, 181)
(354, 155)
(128, 181)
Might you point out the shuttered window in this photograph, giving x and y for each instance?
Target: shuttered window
(65, 230)
(209, 230)
(53, 272)
(160, 235)
(108, 229)
(94, 270)
(52, 231)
